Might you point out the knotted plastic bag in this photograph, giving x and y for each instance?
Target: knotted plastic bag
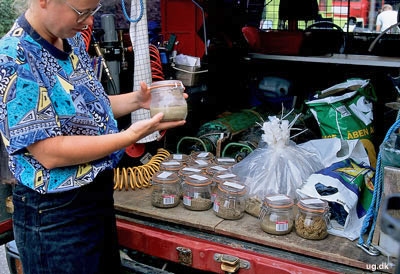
(278, 167)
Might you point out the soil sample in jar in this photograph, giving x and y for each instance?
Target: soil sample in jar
(276, 215)
(166, 189)
(254, 205)
(197, 192)
(230, 201)
(312, 219)
(167, 97)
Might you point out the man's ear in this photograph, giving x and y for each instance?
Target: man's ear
(43, 3)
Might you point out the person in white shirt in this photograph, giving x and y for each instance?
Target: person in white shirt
(386, 18)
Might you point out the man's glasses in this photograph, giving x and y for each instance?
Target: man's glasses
(83, 15)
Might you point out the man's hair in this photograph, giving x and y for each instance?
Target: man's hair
(387, 7)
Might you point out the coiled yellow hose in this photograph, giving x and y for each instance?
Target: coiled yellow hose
(139, 176)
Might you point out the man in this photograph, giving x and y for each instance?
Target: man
(386, 18)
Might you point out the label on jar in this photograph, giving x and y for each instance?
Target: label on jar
(187, 200)
(164, 174)
(312, 201)
(226, 203)
(198, 177)
(201, 162)
(225, 176)
(278, 198)
(216, 206)
(218, 168)
(282, 226)
(191, 169)
(171, 163)
(168, 199)
(234, 185)
(177, 156)
(227, 160)
(202, 155)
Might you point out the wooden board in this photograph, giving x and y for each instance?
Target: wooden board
(334, 249)
(391, 185)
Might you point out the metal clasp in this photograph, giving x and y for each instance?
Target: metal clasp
(184, 255)
(231, 264)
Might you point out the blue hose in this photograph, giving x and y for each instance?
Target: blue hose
(373, 210)
(126, 14)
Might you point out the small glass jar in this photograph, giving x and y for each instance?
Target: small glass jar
(187, 171)
(230, 201)
(171, 165)
(276, 216)
(166, 189)
(312, 219)
(197, 192)
(167, 97)
(219, 178)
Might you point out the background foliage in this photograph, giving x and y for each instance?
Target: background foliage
(8, 15)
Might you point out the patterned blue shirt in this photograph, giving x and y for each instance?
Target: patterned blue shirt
(45, 92)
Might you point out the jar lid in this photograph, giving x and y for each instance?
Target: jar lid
(171, 165)
(225, 161)
(167, 83)
(216, 169)
(233, 187)
(226, 176)
(278, 201)
(200, 163)
(202, 155)
(187, 170)
(198, 180)
(313, 205)
(178, 157)
(165, 177)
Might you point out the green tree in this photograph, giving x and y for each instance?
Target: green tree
(8, 16)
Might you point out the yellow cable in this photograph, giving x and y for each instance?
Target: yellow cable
(139, 176)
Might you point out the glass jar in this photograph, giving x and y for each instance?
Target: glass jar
(166, 189)
(197, 192)
(186, 171)
(219, 178)
(312, 219)
(167, 97)
(230, 201)
(276, 216)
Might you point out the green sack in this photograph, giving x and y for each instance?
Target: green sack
(345, 110)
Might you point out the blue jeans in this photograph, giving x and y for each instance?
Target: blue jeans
(72, 232)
